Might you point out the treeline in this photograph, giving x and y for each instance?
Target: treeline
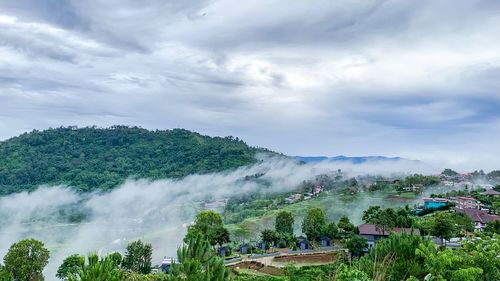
(101, 158)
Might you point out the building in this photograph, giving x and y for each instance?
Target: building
(303, 243)
(244, 248)
(167, 263)
(372, 234)
(492, 193)
(325, 241)
(434, 203)
(462, 202)
(293, 198)
(479, 217)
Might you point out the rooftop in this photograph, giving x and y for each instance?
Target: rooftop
(491, 192)
(476, 215)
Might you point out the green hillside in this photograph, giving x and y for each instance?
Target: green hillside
(94, 158)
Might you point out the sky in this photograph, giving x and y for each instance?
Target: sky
(415, 79)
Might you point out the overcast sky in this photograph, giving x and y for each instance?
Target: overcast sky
(416, 79)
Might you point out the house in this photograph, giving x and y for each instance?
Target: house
(224, 251)
(491, 192)
(434, 203)
(303, 243)
(262, 245)
(167, 263)
(325, 241)
(463, 202)
(293, 198)
(244, 248)
(372, 234)
(479, 217)
(317, 190)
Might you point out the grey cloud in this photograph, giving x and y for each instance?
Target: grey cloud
(298, 78)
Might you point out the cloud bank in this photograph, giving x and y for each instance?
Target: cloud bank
(155, 211)
(416, 79)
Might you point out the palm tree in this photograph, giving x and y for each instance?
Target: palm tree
(97, 270)
(198, 261)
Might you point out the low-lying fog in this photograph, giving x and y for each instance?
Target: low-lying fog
(155, 211)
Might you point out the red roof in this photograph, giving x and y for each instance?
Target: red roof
(476, 215)
(371, 229)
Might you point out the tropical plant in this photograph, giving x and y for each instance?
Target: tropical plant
(97, 269)
(198, 261)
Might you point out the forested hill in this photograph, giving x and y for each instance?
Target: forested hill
(91, 158)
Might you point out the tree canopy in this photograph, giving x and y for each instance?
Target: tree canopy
(314, 224)
(94, 158)
(26, 260)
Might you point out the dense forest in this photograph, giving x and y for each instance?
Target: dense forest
(101, 158)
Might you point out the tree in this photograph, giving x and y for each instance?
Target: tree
(198, 261)
(442, 226)
(4, 274)
(332, 230)
(314, 224)
(270, 237)
(284, 222)
(346, 226)
(356, 244)
(26, 260)
(97, 270)
(394, 259)
(209, 224)
(242, 232)
(70, 266)
(492, 227)
(449, 172)
(138, 257)
(116, 258)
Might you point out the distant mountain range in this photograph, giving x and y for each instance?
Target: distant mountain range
(341, 158)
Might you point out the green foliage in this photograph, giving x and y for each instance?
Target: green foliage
(417, 179)
(91, 158)
(270, 237)
(332, 231)
(97, 270)
(284, 222)
(116, 258)
(346, 228)
(134, 276)
(386, 219)
(26, 260)
(4, 274)
(70, 266)
(356, 244)
(492, 228)
(442, 226)
(209, 224)
(449, 172)
(345, 273)
(314, 224)
(198, 262)
(137, 258)
(394, 258)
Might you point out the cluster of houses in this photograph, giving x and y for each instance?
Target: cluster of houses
(303, 244)
(469, 206)
(304, 196)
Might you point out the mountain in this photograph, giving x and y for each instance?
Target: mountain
(101, 158)
(341, 158)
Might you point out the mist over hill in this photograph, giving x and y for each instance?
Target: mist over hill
(342, 158)
(93, 158)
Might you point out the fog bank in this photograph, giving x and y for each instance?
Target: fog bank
(155, 211)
